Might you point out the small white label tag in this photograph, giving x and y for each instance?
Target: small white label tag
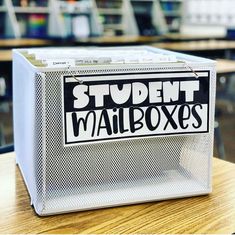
(60, 63)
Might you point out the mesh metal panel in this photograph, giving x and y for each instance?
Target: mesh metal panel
(112, 173)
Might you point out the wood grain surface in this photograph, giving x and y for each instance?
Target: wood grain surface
(127, 39)
(201, 45)
(5, 55)
(225, 66)
(23, 42)
(214, 213)
(183, 36)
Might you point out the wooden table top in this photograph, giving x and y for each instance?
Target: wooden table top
(214, 213)
(5, 55)
(128, 39)
(23, 42)
(225, 66)
(201, 45)
(121, 39)
(182, 36)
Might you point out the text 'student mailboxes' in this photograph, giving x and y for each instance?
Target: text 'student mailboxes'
(100, 127)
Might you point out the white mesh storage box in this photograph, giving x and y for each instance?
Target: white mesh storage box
(101, 127)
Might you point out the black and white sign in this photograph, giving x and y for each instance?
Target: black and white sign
(118, 106)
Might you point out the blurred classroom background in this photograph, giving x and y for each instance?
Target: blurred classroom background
(198, 27)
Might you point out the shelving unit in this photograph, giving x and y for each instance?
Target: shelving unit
(31, 18)
(198, 19)
(84, 18)
(52, 18)
(74, 20)
(173, 11)
(131, 17)
(117, 17)
(149, 17)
